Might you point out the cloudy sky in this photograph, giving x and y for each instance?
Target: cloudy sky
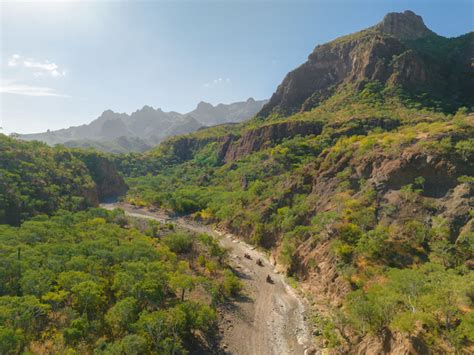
(64, 62)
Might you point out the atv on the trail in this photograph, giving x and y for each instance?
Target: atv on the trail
(259, 262)
(247, 256)
(269, 279)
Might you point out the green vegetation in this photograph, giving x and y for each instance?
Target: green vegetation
(313, 190)
(120, 145)
(95, 282)
(377, 204)
(35, 179)
(428, 297)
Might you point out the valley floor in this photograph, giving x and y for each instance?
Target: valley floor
(270, 317)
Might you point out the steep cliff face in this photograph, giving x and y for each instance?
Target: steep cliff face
(369, 196)
(364, 198)
(234, 148)
(396, 53)
(108, 182)
(406, 25)
(37, 179)
(183, 148)
(442, 196)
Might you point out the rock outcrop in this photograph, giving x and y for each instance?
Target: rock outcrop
(398, 52)
(406, 25)
(210, 115)
(234, 148)
(108, 182)
(183, 148)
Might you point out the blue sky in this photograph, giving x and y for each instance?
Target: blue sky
(63, 63)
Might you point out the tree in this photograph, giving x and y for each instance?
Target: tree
(68, 279)
(161, 329)
(371, 311)
(420, 182)
(144, 282)
(198, 316)
(410, 284)
(373, 244)
(182, 282)
(26, 313)
(287, 252)
(179, 243)
(231, 285)
(55, 299)
(122, 315)
(10, 341)
(76, 331)
(88, 297)
(36, 282)
(123, 276)
(134, 344)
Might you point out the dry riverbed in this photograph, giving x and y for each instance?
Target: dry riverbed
(270, 318)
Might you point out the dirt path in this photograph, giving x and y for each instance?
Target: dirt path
(271, 318)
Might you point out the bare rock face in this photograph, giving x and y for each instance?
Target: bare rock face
(367, 58)
(406, 25)
(234, 148)
(386, 53)
(182, 148)
(108, 182)
(391, 343)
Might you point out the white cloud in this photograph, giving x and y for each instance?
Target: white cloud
(41, 68)
(28, 90)
(217, 82)
(13, 61)
(55, 73)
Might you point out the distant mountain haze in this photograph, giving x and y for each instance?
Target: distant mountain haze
(119, 132)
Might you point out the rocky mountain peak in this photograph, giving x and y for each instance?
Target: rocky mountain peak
(147, 126)
(384, 53)
(147, 110)
(204, 106)
(404, 25)
(107, 115)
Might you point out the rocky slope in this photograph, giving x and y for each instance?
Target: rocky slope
(400, 52)
(37, 179)
(235, 146)
(365, 197)
(119, 132)
(109, 184)
(340, 207)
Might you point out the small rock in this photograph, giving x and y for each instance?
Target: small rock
(310, 351)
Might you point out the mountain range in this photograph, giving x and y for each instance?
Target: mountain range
(119, 132)
(357, 177)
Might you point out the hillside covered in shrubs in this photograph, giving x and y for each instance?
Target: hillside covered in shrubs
(98, 282)
(37, 179)
(357, 178)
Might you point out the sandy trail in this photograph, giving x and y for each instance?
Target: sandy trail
(270, 319)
